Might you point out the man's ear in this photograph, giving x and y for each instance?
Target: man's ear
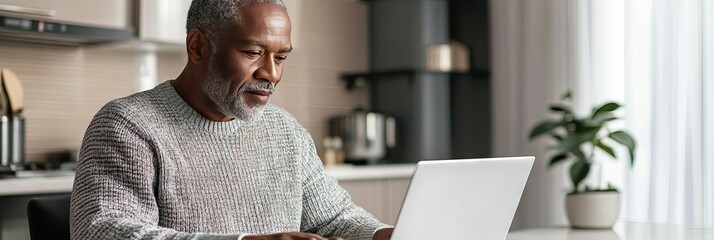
(197, 46)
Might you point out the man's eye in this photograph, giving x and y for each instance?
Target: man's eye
(253, 54)
(280, 59)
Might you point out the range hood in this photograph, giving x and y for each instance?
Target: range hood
(28, 30)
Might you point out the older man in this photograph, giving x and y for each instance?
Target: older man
(205, 156)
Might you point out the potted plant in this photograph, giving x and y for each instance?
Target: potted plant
(577, 139)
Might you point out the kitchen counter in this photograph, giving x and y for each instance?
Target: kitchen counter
(36, 185)
(370, 172)
(60, 184)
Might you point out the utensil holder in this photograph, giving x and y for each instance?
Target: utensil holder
(12, 143)
(4, 144)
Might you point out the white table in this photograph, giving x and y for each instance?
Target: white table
(621, 231)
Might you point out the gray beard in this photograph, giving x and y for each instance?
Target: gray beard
(218, 90)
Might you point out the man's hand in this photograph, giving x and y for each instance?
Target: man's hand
(290, 236)
(383, 234)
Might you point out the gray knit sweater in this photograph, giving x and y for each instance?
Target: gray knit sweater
(151, 167)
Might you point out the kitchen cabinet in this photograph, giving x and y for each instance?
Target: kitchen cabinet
(368, 195)
(395, 193)
(159, 24)
(160, 28)
(379, 189)
(163, 21)
(104, 13)
(381, 197)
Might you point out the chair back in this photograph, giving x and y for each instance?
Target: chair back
(48, 218)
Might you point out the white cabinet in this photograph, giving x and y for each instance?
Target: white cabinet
(160, 25)
(163, 21)
(368, 195)
(396, 190)
(381, 197)
(104, 13)
(379, 189)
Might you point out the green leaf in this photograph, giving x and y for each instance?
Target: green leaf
(576, 139)
(578, 172)
(558, 158)
(606, 108)
(561, 108)
(601, 119)
(579, 154)
(541, 128)
(606, 148)
(556, 136)
(583, 126)
(627, 140)
(566, 96)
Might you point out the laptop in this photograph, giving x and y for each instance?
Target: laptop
(467, 199)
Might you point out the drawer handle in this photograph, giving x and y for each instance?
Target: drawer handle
(26, 10)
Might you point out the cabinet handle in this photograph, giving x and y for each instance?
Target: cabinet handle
(27, 10)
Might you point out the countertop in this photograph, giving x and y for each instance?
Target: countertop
(36, 185)
(63, 182)
(621, 231)
(370, 172)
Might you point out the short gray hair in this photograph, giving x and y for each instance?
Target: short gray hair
(212, 16)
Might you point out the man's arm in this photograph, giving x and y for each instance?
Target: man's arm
(113, 195)
(327, 208)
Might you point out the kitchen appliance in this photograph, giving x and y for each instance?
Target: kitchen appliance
(12, 123)
(366, 136)
(16, 26)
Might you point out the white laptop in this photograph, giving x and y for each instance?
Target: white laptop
(468, 199)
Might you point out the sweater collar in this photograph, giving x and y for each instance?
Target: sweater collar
(193, 118)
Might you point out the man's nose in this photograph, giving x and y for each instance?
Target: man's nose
(268, 71)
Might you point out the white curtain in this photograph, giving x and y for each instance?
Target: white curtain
(531, 62)
(654, 56)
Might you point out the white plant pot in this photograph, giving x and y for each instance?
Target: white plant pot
(593, 209)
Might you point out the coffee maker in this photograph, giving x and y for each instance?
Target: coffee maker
(367, 137)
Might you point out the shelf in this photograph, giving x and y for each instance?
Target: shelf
(357, 79)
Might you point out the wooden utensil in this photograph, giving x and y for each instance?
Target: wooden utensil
(15, 92)
(4, 109)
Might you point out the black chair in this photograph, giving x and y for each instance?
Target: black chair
(48, 218)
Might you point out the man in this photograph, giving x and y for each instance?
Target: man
(205, 156)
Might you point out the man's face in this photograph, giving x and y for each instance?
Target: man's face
(247, 61)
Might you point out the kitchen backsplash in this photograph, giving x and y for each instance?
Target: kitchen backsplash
(64, 87)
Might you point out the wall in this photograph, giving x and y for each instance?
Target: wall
(329, 38)
(64, 87)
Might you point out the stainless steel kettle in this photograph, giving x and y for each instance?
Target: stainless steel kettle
(367, 136)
